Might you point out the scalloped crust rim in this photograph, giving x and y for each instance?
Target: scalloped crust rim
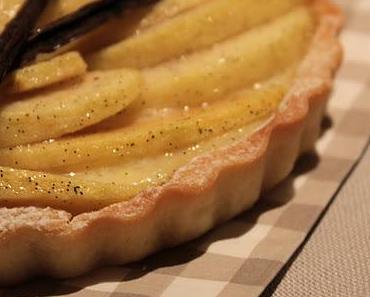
(211, 189)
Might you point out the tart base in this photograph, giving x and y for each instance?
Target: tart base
(209, 190)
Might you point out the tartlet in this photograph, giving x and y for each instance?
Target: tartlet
(48, 227)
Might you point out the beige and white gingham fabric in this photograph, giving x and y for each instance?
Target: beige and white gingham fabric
(240, 258)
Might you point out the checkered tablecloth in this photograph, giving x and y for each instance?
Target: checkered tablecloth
(242, 257)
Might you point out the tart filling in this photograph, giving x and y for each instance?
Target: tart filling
(188, 81)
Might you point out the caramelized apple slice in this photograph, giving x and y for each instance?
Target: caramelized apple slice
(200, 27)
(149, 138)
(67, 108)
(23, 187)
(236, 63)
(40, 75)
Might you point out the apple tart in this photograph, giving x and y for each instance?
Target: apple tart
(153, 125)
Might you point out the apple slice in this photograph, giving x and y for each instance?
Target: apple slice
(167, 9)
(68, 108)
(200, 27)
(150, 138)
(23, 187)
(233, 64)
(43, 74)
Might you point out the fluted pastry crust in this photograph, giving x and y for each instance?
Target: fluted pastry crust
(210, 189)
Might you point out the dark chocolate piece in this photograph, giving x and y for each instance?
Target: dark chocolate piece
(16, 33)
(74, 25)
